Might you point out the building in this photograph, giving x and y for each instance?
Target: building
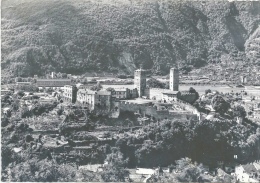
(140, 81)
(23, 83)
(70, 93)
(46, 100)
(124, 93)
(6, 110)
(4, 92)
(53, 82)
(248, 173)
(94, 99)
(169, 96)
(174, 79)
(86, 97)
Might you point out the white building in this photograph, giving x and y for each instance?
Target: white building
(248, 173)
(174, 79)
(140, 81)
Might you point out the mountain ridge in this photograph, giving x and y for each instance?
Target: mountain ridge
(116, 37)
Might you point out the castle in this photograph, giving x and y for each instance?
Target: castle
(140, 84)
(155, 102)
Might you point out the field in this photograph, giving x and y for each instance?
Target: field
(221, 88)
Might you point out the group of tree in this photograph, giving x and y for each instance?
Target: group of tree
(222, 104)
(27, 88)
(37, 109)
(155, 83)
(207, 142)
(96, 87)
(115, 167)
(139, 32)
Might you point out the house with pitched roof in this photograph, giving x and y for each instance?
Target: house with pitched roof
(94, 99)
(248, 173)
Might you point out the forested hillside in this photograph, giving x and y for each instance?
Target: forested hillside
(116, 36)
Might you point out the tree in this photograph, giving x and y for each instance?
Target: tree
(192, 90)
(5, 121)
(25, 112)
(121, 76)
(207, 91)
(190, 172)
(42, 171)
(85, 81)
(154, 83)
(64, 75)
(110, 89)
(115, 170)
(35, 97)
(220, 104)
(87, 176)
(96, 87)
(60, 111)
(49, 90)
(28, 88)
(20, 93)
(239, 111)
(186, 69)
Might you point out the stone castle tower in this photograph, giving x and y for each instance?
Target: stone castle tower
(174, 79)
(140, 81)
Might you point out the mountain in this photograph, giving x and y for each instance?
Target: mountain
(117, 36)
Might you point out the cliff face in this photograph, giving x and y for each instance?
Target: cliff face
(117, 36)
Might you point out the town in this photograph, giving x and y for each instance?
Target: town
(130, 91)
(93, 126)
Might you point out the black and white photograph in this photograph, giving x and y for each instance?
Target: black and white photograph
(130, 91)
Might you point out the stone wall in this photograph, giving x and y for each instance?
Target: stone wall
(149, 110)
(155, 93)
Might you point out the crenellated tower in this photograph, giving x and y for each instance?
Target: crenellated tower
(140, 81)
(174, 79)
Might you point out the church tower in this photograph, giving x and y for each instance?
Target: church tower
(174, 79)
(140, 81)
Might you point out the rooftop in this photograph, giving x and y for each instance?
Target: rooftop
(120, 89)
(23, 82)
(249, 168)
(55, 79)
(105, 86)
(138, 101)
(145, 171)
(87, 91)
(92, 168)
(171, 92)
(101, 92)
(82, 147)
(104, 92)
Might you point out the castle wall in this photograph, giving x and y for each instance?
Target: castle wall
(146, 109)
(156, 93)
